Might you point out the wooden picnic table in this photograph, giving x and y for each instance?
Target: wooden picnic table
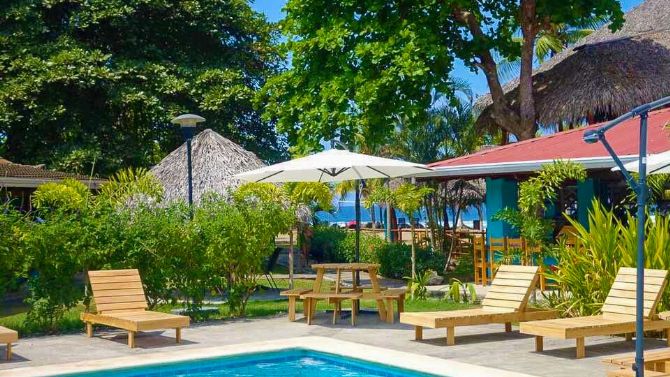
(339, 268)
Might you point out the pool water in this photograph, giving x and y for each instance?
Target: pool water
(286, 363)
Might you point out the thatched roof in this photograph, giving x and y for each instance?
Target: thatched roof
(215, 161)
(604, 73)
(31, 176)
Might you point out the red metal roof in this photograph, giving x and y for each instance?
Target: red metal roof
(624, 138)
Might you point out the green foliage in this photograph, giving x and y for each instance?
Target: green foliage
(222, 249)
(395, 260)
(12, 225)
(68, 195)
(534, 194)
(461, 292)
(238, 238)
(325, 243)
(417, 286)
(585, 274)
(354, 67)
(358, 66)
(90, 86)
(131, 184)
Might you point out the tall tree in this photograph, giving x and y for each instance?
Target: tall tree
(357, 65)
(97, 81)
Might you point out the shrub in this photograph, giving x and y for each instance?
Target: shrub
(585, 274)
(395, 260)
(369, 246)
(325, 241)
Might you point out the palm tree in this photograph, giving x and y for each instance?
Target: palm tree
(409, 198)
(549, 43)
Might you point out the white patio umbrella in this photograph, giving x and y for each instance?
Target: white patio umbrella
(335, 165)
(656, 164)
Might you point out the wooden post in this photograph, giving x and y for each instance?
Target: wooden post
(389, 310)
(354, 303)
(9, 351)
(418, 333)
(89, 329)
(581, 348)
(178, 334)
(291, 308)
(508, 326)
(667, 337)
(539, 344)
(629, 336)
(131, 339)
(451, 336)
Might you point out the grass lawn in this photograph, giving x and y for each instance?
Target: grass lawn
(70, 322)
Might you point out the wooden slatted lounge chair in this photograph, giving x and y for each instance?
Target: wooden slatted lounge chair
(618, 313)
(8, 337)
(656, 363)
(505, 302)
(120, 302)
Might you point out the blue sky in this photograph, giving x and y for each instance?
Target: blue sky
(273, 11)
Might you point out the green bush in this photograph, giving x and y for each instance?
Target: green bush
(325, 241)
(336, 245)
(585, 274)
(395, 260)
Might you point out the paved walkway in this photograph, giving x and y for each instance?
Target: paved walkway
(482, 345)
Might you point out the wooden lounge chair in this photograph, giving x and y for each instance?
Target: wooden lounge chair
(656, 363)
(8, 337)
(505, 302)
(120, 302)
(618, 313)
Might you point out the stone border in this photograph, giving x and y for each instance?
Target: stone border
(400, 359)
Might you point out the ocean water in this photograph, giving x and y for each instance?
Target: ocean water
(287, 363)
(344, 212)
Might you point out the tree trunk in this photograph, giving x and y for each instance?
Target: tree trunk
(413, 251)
(501, 110)
(526, 100)
(290, 259)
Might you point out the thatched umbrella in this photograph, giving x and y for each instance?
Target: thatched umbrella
(605, 73)
(215, 161)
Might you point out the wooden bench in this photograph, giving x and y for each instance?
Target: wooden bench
(8, 337)
(120, 302)
(293, 295)
(335, 298)
(391, 295)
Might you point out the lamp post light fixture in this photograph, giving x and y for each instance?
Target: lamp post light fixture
(188, 123)
(640, 188)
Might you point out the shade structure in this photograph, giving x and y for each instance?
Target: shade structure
(215, 162)
(333, 165)
(656, 164)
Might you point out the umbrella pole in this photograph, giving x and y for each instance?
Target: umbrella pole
(357, 254)
(641, 214)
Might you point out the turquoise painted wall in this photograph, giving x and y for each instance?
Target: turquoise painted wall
(500, 193)
(586, 191)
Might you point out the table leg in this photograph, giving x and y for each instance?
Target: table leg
(376, 289)
(316, 288)
(355, 305)
(337, 281)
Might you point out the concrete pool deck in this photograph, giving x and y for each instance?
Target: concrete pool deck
(487, 345)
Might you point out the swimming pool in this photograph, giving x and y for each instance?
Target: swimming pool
(286, 363)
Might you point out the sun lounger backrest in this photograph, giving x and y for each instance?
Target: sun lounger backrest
(510, 288)
(621, 299)
(116, 291)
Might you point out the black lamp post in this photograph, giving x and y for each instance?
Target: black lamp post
(188, 123)
(640, 189)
